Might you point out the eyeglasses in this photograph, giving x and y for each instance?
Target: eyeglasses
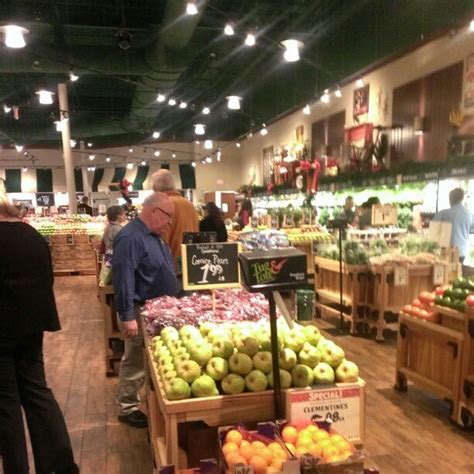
(164, 212)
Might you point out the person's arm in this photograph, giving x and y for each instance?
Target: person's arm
(127, 253)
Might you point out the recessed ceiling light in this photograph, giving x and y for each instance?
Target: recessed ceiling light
(191, 8)
(193, 164)
(160, 98)
(206, 110)
(156, 135)
(237, 145)
(91, 157)
(250, 39)
(183, 105)
(172, 102)
(157, 153)
(107, 159)
(129, 166)
(229, 30)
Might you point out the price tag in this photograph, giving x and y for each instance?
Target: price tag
(291, 467)
(439, 274)
(400, 276)
(242, 469)
(210, 266)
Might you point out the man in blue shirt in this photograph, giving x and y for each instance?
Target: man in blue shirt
(461, 220)
(142, 268)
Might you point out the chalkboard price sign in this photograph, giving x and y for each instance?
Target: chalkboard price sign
(211, 266)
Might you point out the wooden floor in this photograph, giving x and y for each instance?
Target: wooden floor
(406, 433)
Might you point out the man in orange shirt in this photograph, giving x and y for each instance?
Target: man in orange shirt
(185, 218)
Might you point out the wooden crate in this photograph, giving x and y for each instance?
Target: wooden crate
(164, 416)
(440, 359)
(327, 288)
(384, 296)
(113, 338)
(307, 248)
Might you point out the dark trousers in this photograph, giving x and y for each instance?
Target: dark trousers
(23, 384)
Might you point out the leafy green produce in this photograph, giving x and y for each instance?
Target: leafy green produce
(378, 247)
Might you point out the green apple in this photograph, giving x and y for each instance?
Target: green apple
(309, 355)
(302, 376)
(265, 341)
(295, 339)
(247, 345)
(347, 372)
(161, 352)
(201, 353)
(177, 389)
(205, 328)
(240, 364)
(166, 368)
(164, 359)
(287, 359)
(256, 381)
(218, 333)
(263, 361)
(189, 332)
(322, 343)
(168, 376)
(332, 354)
(204, 386)
(169, 333)
(312, 334)
(181, 358)
(157, 342)
(323, 373)
(233, 384)
(285, 379)
(217, 368)
(222, 348)
(188, 370)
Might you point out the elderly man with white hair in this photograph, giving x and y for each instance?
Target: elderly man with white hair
(142, 268)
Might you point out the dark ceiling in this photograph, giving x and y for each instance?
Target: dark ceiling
(189, 58)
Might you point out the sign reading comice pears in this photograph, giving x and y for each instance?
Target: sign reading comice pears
(210, 266)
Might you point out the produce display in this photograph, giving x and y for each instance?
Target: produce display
(263, 239)
(231, 358)
(353, 253)
(76, 224)
(308, 233)
(229, 305)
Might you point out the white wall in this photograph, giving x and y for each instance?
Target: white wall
(425, 60)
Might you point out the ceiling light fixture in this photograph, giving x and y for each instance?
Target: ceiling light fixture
(160, 98)
(129, 166)
(130, 150)
(45, 97)
(25, 153)
(338, 92)
(199, 129)
(107, 159)
(191, 8)
(7, 109)
(233, 102)
(292, 50)
(156, 135)
(73, 77)
(193, 164)
(14, 36)
(250, 39)
(183, 105)
(208, 159)
(218, 154)
(171, 102)
(73, 143)
(237, 145)
(307, 109)
(59, 125)
(229, 30)
(264, 131)
(325, 98)
(471, 25)
(197, 142)
(91, 157)
(203, 162)
(19, 148)
(208, 145)
(25, 169)
(92, 168)
(143, 163)
(89, 144)
(206, 110)
(360, 82)
(157, 153)
(173, 155)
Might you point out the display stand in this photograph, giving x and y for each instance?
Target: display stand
(440, 359)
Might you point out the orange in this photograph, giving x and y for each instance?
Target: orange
(300, 451)
(312, 429)
(280, 454)
(304, 442)
(244, 442)
(234, 459)
(335, 438)
(342, 445)
(289, 434)
(330, 451)
(278, 464)
(274, 446)
(246, 452)
(291, 447)
(259, 464)
(316, 450)
(333, 459)
(304, 432)
(229, 448)
(257, 445)
(233, 436)
(266, 454)
(320, 435)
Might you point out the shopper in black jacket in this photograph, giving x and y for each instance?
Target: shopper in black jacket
(27, 309)
(213, 222)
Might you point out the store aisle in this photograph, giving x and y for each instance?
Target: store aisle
(76, 372)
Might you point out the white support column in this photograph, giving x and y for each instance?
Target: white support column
(67, 153)
(85, 176)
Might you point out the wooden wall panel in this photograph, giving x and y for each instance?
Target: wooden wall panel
(336, 124)
(433, 97)
(318, 136)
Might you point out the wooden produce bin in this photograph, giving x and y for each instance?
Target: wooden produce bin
(165, 416)
(113, 338)
(307, 248)
(327, 288)
(386, 293)
(439, 358)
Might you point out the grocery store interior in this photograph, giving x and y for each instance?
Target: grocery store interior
(259, 219)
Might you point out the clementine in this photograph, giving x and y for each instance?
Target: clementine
(266, 454)
(247, 452)
(302, 450)
(316, 450)
(235, 458)
(320, 435)
(233, 436)
(229, 448)
(259, 464)
(330, 451)
(244, 442)
(304, 441)
(278, 464)
(274, 446)
(289, 434)
(257, 445)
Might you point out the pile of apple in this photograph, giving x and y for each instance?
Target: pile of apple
(422, 307)
(234, 357)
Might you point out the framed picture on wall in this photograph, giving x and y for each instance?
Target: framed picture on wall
(361, 101)
(267, 165)
(469, 82)
(300, 134)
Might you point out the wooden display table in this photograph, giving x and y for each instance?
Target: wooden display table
(439, 357)
(327, 288)
(165, 416)
(387, 295)
(113, 337)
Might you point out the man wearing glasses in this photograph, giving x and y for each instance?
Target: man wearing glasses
(142, 268)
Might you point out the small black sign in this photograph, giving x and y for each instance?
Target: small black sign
(45, 199)
(133, 194)
(210, 266)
